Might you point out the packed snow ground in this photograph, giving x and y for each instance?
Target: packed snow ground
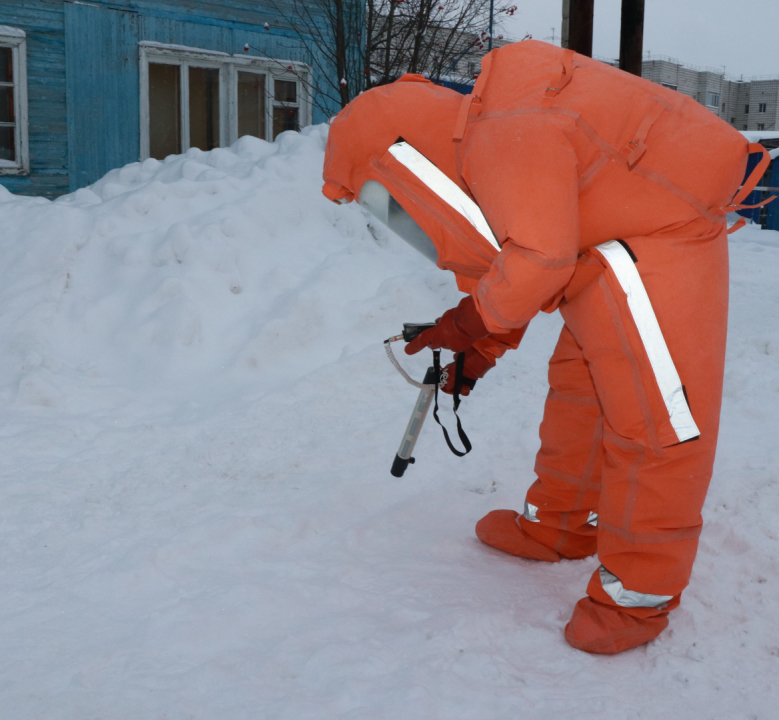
(196, 511)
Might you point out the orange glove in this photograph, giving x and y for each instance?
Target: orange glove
(456, 330)
(476, 366)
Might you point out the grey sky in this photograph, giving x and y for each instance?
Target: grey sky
(741, 36)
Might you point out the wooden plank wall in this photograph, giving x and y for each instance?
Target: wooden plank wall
(103, 91)
(44, 23)
(86, 120)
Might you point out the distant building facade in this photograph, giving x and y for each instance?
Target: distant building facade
(745, 104)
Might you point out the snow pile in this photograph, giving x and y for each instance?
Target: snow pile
(196, 509)
(225, 270)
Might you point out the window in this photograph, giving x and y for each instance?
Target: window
(14, 153)
(761, 126)
(712, 99)
(732, 121)
(285, 106)
(251, 104)
(746, 109)
(762, 107)
(203, 99)
(164, 110)
(669, 85)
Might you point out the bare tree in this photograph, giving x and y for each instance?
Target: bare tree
(431, 37)
(356, 44)
(331, 34)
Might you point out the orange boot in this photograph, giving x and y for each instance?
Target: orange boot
(603, 630)
(500, 529)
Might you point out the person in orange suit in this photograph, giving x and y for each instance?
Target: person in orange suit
(564, 183)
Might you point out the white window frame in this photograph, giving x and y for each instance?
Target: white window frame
(229, 66)
(279, 104)
(762, 107)
(16, 39)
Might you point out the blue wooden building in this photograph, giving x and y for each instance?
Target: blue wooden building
(87, 86)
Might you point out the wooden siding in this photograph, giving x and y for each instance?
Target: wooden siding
(83, 73)
(43, 21)
(103, 91)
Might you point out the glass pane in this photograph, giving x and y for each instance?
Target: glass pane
(164, 110)
(6, 104)
(285, 91)
(7, 148)
(6, 65)
(204, 108)
(284, 119)
(251, 105)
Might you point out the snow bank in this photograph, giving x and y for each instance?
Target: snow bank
(215, 272)
(196, 509)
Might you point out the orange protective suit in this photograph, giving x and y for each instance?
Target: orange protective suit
(565, 155)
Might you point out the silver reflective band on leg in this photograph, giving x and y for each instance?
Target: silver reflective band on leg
(530, 512)
(629, 598)
(445, 188)
(593, 519)
(667, 377)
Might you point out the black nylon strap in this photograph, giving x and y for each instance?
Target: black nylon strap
(458, 385)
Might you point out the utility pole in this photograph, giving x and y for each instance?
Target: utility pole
(631, 37)
(492, 14)
(577, 25)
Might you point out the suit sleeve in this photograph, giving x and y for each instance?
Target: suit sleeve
(494, 346)
(523, 173)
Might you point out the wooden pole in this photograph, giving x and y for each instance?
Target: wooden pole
(492, 22)
(577, 25)
(631, 37)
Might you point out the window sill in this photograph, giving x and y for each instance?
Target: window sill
(11, 168)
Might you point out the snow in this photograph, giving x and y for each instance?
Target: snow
(9, 31)
(181, 48)
(758, 135)
(196, 510)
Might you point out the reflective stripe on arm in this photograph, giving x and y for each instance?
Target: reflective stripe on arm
(444, 187)
(667, 377)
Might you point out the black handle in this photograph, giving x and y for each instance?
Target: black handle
(400, 464)
(411, 330)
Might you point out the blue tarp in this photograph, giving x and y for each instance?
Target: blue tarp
(772, 220)
(459, 87)
(756, 195)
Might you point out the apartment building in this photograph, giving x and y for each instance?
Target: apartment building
(745, 104)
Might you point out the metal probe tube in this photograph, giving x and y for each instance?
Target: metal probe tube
(418, 415)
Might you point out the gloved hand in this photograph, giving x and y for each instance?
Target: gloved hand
(456, 330)
(475, 367)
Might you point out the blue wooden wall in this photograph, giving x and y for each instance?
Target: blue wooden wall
(103, 91)
(44, 23)
(83, 73)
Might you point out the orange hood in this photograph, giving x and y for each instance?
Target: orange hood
(424, 116)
